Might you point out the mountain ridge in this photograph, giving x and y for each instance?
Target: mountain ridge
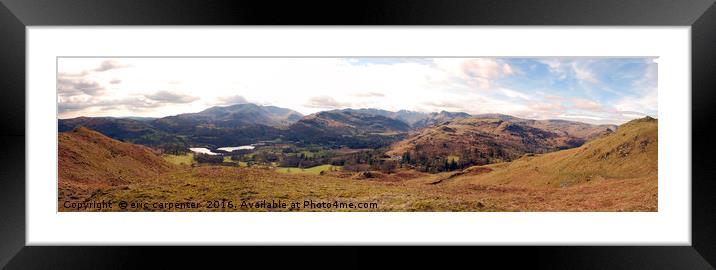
(488, 139)
(247, 123)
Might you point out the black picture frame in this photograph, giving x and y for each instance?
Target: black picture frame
(15, 15)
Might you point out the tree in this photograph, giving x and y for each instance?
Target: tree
(453, 165)
(388, 166)
(406, 157)
(206, 158)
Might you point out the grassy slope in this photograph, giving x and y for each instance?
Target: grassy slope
(312, 170)
(617, 172)
(209, 183)
(186, 159)
(89, 160)
(498, 139)
(628, 153)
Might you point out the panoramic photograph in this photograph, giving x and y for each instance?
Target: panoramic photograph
(357, 134)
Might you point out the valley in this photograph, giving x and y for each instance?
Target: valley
(402, 161)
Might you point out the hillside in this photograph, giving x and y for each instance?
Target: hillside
(414, 119)
(629, 153)
(437, 118)
(568, 128)
(354, 128)
(232, 116)
(488, 139)
(124, 129)
(217, 126)
(89, 160)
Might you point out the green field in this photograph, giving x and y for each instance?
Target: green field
(312, 170)
(241, 163)
(186, 159)
(316, 154)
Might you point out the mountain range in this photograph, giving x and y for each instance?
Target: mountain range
(249, 123)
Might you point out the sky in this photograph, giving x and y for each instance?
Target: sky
(591, 90)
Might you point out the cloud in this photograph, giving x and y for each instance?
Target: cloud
(78, 104)
(230, 100)
(580, 70)
(514, 94)
(473, 72)
(581, 117)
(546, 108)
(583, 73)
(483, 67)
(326, 102)
(109, 65)
(507, 69)
(484, 70)
(584, 104)
(646, 104)
(445, 105)
(516, 86)
(71, 74)
(78, 85)
(171, 97)
(555, 67)
(370, 94)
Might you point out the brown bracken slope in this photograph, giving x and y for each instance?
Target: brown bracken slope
(88, 160)
(492, 139)
(631, 152)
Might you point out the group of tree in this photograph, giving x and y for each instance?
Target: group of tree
(206, 158)
(373, 160)
(174, 148)
(426, 162)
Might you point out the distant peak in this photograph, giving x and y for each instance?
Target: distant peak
(646, 119)
(242, 105)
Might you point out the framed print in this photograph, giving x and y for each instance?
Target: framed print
(460, 123)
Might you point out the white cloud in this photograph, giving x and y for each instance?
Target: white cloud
(578, 69)
(169, 86)
(231, 100)
(326, 102)
(646, 104)
(171, 97)
(556, 67)
(513, 94)
(583, 73)
(475, 72)
(582, 117)
(109, 65)
(584, 104)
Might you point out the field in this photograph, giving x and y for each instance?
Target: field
(216, 183)
(186, 159)
(312, 170)
(229, 160)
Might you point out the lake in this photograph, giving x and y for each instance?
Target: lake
(202, 150)
(231, 149)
